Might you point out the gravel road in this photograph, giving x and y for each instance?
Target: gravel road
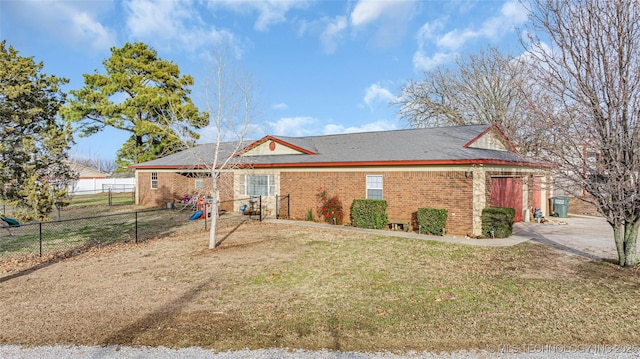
(506, 352)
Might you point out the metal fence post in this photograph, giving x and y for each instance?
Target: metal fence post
(109, 196)
(136, 226)
(277, 207)
(40, 235)
(260, 207)
(288, 206)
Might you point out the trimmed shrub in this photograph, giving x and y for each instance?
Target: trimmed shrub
(432, 220)
(369, 213)
(499, 220)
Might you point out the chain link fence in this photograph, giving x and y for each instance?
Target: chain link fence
(59, 237)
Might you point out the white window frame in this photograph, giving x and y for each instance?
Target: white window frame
(154, 180)
(375, 183)
(198, 184)
(271, 186)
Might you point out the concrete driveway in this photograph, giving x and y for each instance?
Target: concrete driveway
(590, 237)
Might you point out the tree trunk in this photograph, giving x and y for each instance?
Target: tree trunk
(214, 211)
(619, 239)
(630, 239)
(214, 221)
(626, 236)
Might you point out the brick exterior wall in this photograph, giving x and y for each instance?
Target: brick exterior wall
(578, 206)
(173, 186)
(404, 192)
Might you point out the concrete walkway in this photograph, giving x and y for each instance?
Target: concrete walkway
(590, 237)
(489, 242)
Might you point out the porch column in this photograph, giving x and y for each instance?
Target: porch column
(479, 198)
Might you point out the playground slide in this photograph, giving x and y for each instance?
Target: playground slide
(10, 221)
(196, 215)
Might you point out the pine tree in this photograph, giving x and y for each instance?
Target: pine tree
(33, 142)
(142, 94)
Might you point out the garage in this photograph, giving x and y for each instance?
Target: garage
(507, 192)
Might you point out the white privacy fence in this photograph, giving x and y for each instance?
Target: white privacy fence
(98, 185)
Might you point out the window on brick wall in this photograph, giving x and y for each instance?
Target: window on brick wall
(154, 180)
(259, 185)
(374, 187)
(199, 185)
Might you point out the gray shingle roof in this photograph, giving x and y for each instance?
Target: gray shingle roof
(440, 145)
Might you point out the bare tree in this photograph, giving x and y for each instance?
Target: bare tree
(480, 89)
(587, 81)
(229, 97)
(100, 164)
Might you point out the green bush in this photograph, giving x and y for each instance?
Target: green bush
(432, 220)
(369, 213)
(499, 220)
(309, 215)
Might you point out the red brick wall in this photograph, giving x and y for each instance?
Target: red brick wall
(173, 186)
(404, 192)
(579, 206)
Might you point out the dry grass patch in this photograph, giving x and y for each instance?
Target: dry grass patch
(272, 285)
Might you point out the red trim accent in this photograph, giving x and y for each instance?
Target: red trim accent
(394, 163)
(489, 129)
(198, 167)
(274, 139)
(362, 163)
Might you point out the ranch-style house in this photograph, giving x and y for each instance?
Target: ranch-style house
(462, 169)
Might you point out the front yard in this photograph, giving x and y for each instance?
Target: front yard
(274, 285)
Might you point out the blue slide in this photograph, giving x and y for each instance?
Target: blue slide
(196, 215)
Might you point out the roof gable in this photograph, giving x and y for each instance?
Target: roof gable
(491, 139)
(270, 145)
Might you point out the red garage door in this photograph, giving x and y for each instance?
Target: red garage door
(507, 192)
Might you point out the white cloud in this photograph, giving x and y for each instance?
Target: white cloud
(310, 126)
(422, 62)
(270, 12)
(429, 32)
(367, 11)
(390, 18)
(375, 94)
(279, 106)
(332, 33)
(170, 24)
(455, 39)
(367, 127)
(511, 15)
(76, 23)
(293, 126)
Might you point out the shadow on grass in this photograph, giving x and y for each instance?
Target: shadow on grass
(230, 233)
(47, 262)
(29, 271)
(154, 320)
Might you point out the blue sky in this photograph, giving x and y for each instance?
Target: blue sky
(323, 67)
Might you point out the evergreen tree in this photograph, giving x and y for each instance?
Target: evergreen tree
(142, 94)
(33, 142)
